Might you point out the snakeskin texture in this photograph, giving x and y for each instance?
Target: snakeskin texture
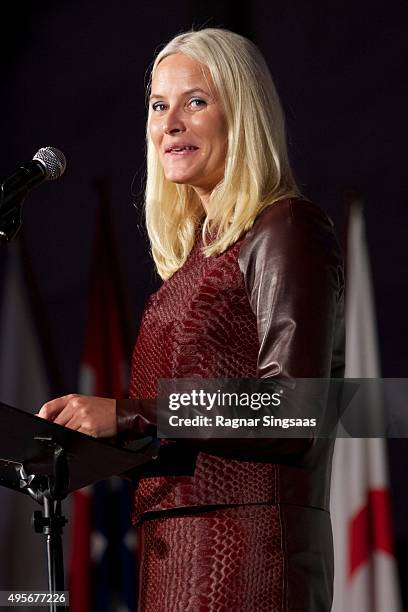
(229, 559)
(216, 481)
(199, 324)
(218, 560)
(203, 305)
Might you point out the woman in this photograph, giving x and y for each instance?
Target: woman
(253, 289)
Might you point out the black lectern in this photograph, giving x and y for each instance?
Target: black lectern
(47, 461)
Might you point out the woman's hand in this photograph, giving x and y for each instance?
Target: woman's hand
(95, 416)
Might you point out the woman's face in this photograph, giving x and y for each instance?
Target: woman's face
(187, 124)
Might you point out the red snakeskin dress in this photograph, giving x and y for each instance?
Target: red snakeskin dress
(243, 528)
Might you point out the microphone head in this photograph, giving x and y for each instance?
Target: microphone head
(53, 162)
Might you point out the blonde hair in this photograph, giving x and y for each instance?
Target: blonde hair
(257, 169)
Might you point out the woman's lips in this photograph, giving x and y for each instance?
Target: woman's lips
(182, 151)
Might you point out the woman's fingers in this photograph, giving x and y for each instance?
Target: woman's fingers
(95, 416)
(51, 409)
(65, 415)
(74, 423)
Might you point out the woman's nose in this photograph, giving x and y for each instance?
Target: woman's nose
(173, 123)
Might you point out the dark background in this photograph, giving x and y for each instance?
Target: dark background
(73, 76)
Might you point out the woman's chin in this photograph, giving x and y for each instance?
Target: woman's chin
(179, 178)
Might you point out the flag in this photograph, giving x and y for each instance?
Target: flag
(24, 383)
(102, 561)
(365, 567)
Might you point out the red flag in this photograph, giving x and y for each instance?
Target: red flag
(365, 569)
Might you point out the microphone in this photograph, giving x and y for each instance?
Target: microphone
(47, 164)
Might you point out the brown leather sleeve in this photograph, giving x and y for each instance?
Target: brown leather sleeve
(135, 418)
(294, 278)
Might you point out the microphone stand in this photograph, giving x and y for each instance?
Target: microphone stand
(48, 489)
(10, 215)
(13, 192)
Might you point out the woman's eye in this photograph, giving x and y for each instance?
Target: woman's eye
(197, 102)
(159, 106)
